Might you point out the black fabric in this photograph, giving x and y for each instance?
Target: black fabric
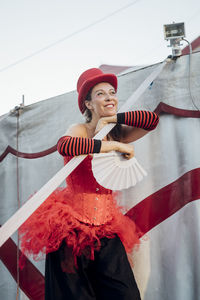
(140, 118)
(108, 277)
(71, 146)
(97, 146)
(121, 118)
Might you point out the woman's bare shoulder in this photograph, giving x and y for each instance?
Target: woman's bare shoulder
(77, 130)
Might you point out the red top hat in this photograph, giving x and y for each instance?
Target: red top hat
(88, 80)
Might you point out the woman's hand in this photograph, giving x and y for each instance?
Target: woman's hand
(104, 121)
(126, 149)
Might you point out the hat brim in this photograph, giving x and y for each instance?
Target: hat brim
(88, 84)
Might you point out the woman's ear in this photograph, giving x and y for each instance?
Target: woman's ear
(88, 104)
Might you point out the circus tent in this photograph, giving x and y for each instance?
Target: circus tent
(165, 205)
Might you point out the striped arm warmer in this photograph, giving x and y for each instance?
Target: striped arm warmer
(140, 118)
(72, 146)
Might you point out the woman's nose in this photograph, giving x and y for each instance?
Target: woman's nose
(108, 97)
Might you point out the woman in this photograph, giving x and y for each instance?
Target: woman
(81, 228)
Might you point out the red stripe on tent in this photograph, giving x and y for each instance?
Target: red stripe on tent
(27, 155)
(195, 44)
(185, 113)
(162, 204)
(31, 280)
(161, 108)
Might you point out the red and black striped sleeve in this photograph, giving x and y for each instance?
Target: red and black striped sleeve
(73, 146)
(140, 118)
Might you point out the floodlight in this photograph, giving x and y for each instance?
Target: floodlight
(174, 32)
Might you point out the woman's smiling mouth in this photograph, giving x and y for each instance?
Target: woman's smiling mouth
(109, 105)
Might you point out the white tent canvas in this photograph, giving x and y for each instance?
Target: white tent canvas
(165, 205)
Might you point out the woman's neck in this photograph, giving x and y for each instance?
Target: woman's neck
(91, 127)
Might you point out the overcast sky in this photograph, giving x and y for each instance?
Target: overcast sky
(46, 44)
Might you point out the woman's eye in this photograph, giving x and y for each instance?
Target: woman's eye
(113, 92)
(99, 94)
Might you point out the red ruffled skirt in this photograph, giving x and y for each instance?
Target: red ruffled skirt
(55, 221)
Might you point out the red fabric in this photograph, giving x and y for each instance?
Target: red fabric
(179, 112)
(91, 202)
(195, 45)
(31, 281)
(62, 216)
(72, 146)
(143, 119)
(160, 205)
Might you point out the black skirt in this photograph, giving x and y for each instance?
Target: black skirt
(108, 276)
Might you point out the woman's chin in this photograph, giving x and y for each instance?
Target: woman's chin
(110, 113)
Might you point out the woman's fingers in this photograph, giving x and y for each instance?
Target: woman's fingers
(127, 150)
(128, 155)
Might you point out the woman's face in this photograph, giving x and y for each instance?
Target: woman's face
(103, 101)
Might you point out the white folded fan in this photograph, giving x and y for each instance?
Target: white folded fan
(113, 171)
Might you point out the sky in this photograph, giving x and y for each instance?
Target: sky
(47, 44)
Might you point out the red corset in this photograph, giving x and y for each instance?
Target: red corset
(91, 202)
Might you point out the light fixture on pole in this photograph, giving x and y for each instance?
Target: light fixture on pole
(174, 32)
